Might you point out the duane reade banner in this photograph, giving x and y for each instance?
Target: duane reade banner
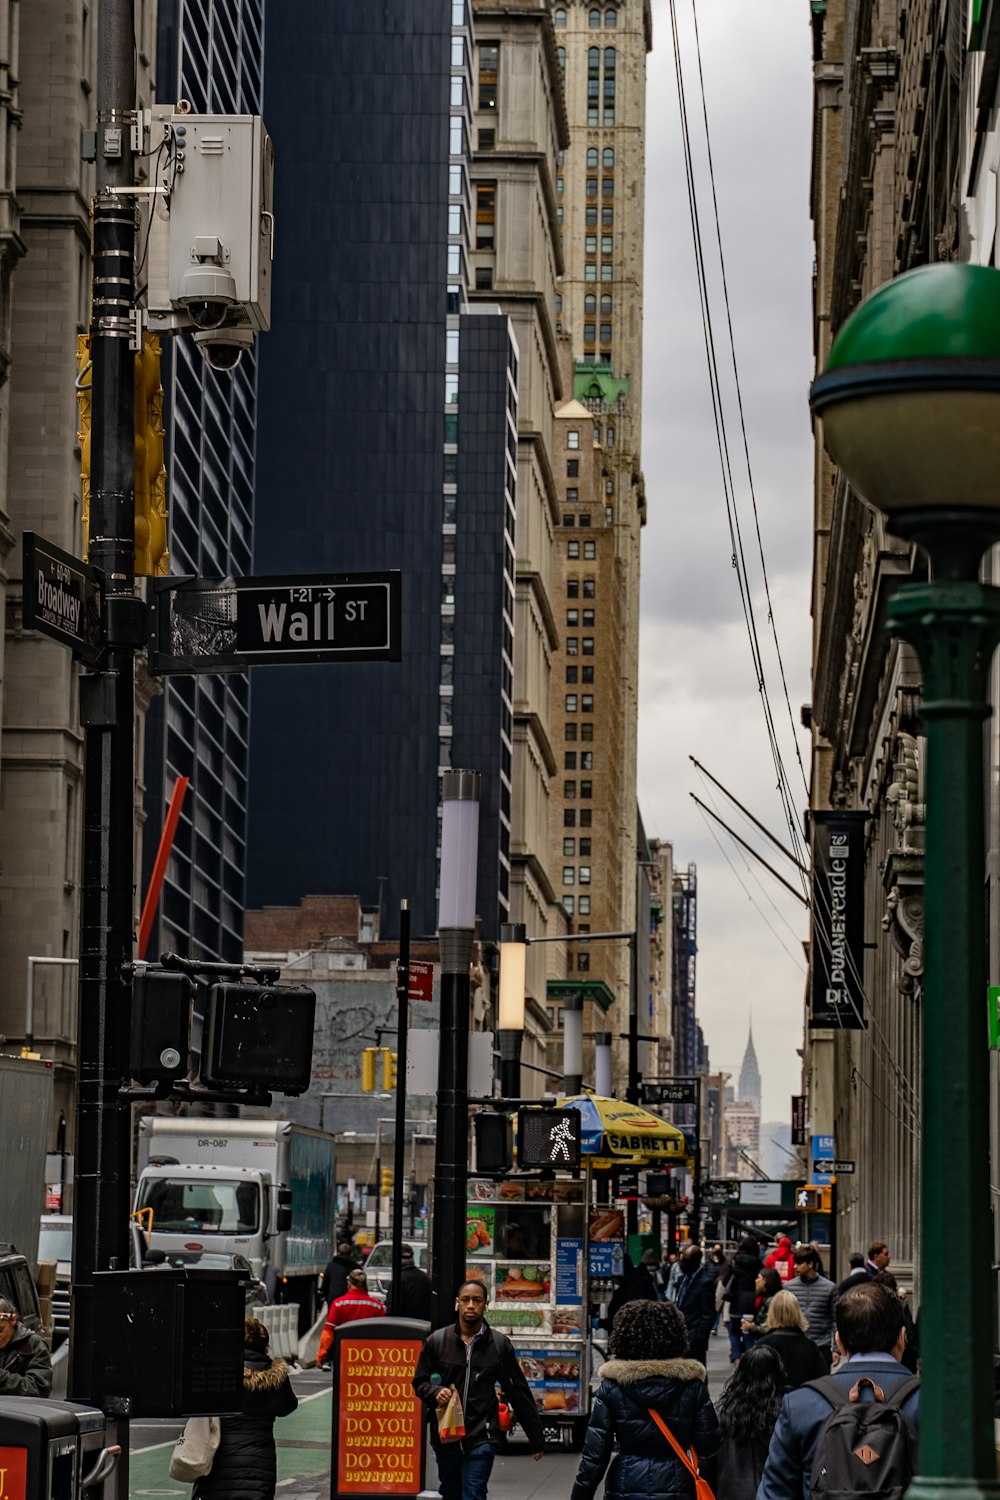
(838, 996)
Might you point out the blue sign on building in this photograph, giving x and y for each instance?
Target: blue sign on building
(822, 1150)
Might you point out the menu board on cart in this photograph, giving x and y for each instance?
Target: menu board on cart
(569, 1271)
(554, 1378)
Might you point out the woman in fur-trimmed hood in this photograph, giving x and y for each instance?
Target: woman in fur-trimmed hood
(245, 1466)
(648, 1367)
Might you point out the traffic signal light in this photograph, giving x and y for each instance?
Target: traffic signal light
(368, 1057)
(386, 1181)
(149, 478)
(150, 481)
(814, 1198)
(259, 1034)
(388, 1070)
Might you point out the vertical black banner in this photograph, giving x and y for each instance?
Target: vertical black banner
(838, 884)
(798, 1119)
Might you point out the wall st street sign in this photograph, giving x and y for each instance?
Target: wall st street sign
(229, 624)
(62, 598)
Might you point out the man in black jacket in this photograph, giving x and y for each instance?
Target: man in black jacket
(25, 1365)
(696, 1301)
(337, 1271)
(415, 1289)
(472, 1358)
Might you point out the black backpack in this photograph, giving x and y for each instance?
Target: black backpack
(867, 1449)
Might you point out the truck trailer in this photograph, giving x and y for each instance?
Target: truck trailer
(260, 1188)
(25, 1108)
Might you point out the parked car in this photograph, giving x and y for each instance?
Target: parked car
(379, 1264)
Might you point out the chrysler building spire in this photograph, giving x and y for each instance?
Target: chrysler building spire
(749, 1090)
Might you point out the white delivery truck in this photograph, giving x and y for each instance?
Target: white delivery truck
(260, 1188)
(25, 1107)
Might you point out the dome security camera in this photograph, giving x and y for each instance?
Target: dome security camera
(223, 347)
(207, 294)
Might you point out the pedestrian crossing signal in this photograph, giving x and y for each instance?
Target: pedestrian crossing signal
(549, 1138)
(813, 1199)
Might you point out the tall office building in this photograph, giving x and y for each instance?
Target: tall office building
(385, 434)
(749, 1085)
(600, 198)
(212, 55)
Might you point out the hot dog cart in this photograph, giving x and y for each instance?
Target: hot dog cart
(549, 1253)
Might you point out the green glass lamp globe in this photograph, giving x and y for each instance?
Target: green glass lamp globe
(910, 398)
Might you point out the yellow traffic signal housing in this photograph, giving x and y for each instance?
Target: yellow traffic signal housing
(368, 1070)
(151, 557)
(814, 1198)
(388, 1070)
(386, 1181)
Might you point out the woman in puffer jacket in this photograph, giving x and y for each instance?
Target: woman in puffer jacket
(648, 1368)
(245, 1466)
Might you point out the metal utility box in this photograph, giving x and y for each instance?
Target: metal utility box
(214, 233)
(55, 1450)
(193, 1320)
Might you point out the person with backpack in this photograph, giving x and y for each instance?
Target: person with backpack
(472, 1358)
(740, 1290)
(652, 1418)
(853, 1433)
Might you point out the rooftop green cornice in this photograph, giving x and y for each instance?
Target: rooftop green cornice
(946, 311)
(598, 383)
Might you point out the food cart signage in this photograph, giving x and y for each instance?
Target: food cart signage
(569, 1265)
(13, 1473)
(378, 1428)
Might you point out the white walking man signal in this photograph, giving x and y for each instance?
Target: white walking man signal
(561, 1137)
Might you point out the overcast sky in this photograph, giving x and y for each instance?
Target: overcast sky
(698, 689)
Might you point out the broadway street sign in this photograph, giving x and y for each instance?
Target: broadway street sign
(62, 598)
(229, 624)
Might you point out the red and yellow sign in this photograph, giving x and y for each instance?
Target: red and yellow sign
(13, 1473)
(379, 1420)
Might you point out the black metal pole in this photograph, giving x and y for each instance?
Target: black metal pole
(632, 1087)
(696, 1184)
(399, 1146)
(833, 1230)
(107, 711)
(451, 1147)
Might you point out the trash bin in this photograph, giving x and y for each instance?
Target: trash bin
(54, 1450)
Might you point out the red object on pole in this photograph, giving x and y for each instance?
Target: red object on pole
(160, 867)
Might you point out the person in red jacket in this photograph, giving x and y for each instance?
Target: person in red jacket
(353, 1305)
(781, 1260)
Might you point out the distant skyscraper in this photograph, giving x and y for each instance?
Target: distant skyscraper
(211, 54)
(749, 1089)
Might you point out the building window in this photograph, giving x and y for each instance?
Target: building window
(586, 790)
(573, 548)
(572, 645)
(590, 217)
(569, 519)
(587, 674)
(611, 19)
(589, 272)
(608, 187)
(607, 241)
(572, 588)
(486, 139)
(587, 703)
(586, 760)
(572, 468)
(489, 61)
(560, 186)
(586, 732)
(589, 330)
(567, 902)
(569, 760)
(607, 217)
(584, 876)
(588, 617)
(590, 550)
(584, 846)
(572, 617)
(484, 278)
(569, 791)
(592, 157)
(611, 437)
(569, 848)
(594, 20)
(590, 304)
(572, 495)
(569, 733)
(609, 515)
(583, 963)
(571, 674)
(569, 817)
(486, 212)
(561, 55)
(571, 703)
(589, 588)
(584, 519)
(573, 438)
(590, 244)
(569, 874)
(588, 645)
(607, 273)
(583, 907)
(609, 157)
(591, 187)
(559, 16)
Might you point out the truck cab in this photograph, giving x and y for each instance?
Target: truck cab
(203, 1209)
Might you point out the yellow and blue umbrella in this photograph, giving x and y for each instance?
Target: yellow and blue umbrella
(618, 1132)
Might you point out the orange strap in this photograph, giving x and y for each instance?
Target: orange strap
(689, 1460)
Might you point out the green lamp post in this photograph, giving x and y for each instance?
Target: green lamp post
(910, 406)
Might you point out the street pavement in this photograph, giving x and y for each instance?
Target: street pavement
(303, 1444)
